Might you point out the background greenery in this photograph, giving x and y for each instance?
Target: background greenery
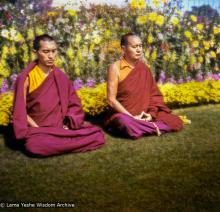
(176, 43)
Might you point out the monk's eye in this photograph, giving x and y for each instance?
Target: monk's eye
(45, 52)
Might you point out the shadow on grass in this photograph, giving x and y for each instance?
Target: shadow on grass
(10, 140)
(12, 143)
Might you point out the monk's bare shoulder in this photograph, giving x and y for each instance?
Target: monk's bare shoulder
(113, 69)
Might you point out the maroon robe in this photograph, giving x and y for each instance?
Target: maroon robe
(53, 104)
(139, 92)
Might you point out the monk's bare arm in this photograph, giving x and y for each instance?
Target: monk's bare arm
(112, 88)
(30, 121)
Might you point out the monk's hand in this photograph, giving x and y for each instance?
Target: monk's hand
(65, 127)
(145, 116)
(138, 117)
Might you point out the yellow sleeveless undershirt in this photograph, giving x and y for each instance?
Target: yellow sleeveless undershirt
(124, 68)
(36, 78)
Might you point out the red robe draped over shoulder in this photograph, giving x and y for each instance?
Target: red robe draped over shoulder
(139, 92)
(50, 105)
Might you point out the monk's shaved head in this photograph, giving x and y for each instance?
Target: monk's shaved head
(124, 38)
(38, 39)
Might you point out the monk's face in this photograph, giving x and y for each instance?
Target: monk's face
(133, 50)
(47, 53)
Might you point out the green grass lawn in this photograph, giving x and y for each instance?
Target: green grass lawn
(174, 172)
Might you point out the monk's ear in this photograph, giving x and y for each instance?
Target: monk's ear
(123, 49)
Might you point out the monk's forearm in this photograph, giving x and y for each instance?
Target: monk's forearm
(31, 122)
(117, 106)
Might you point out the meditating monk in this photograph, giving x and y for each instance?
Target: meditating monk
(137, 106)
(47, 113)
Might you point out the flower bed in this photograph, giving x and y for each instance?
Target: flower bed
(94, 99)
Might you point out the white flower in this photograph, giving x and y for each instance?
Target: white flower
(160, 36)
(95, 33)
(5, 33)
(87, 37)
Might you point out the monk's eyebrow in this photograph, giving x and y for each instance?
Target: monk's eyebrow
(49, 49)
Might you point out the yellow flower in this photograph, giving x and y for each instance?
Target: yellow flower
(212, 54)
(77, 71)
(206, 45)
(5, 51)
(200, 59)
(97, 39)
(156, 3)
(58, 62)
(33, 56)
(141, 19)
(152, 16)
(164, 1)
(13, 50)
(175, 21)
(70, 53)
(133, 4)
(173, 57)
(160, 20)
(212, 42)
(166, 57)
(78, 38)
(107, 33)
(150, 38)
(185, 43)
(218, 49)
(147, 54)
(39, 31)
(19, 38)
(112, 47)
(188, 34)
(154, 55)
(72, 12)
(79, 55)
(25, 57)
(199, 27)
(193, 18)
(99, 22)
(185, 120)
(192, 59)
(216, 30)
(30, 34)
(52, 13)
(202, 51)
(141, 4)
(195, 43)
(200, 37)
(180, 13)
(4, 72)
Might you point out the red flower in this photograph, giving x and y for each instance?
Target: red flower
(8, 16)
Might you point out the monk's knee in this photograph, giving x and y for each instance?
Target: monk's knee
(120, 119)
(35, 148)
(125, 124)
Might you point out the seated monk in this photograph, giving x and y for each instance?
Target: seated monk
(137, 106)
(47, 113)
